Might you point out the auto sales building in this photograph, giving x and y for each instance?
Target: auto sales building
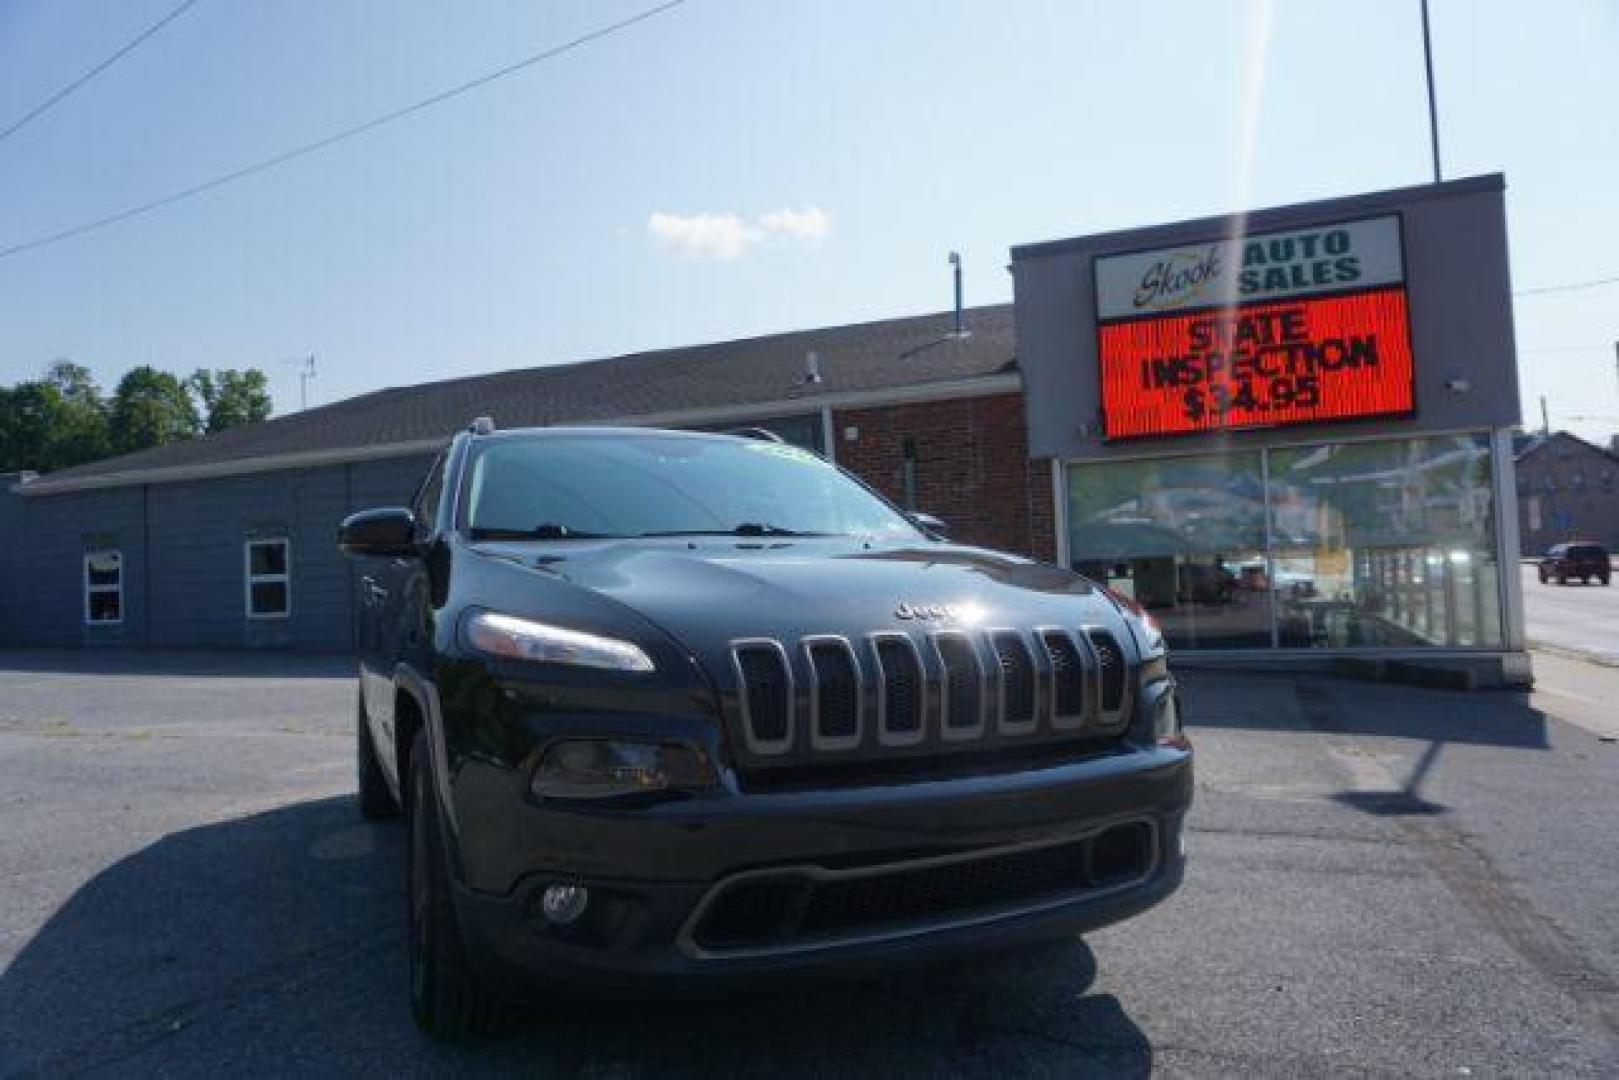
(1287, 434)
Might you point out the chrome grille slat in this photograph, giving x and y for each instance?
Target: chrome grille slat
(964, 685)
(766, 695)
(836, 693)
(1112, 677)
(902, 690)
(1071, 676)
(1018, 711)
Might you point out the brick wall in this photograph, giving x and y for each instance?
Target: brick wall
(971, 467)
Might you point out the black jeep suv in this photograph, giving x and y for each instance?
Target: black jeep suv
(686, 709)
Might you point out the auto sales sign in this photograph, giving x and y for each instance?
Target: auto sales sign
(1296, 327)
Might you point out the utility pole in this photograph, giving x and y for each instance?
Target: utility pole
(307, 372)
(955, 263)
(1545, 421)
(1433, 101)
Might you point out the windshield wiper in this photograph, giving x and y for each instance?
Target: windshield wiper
(746, 528)
(548, 531)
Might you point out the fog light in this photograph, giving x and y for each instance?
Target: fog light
(563, 904)
(607, 768)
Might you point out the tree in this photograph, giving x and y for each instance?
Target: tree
(231, 397)
(151, 408)
(81, 432)
(53, 422)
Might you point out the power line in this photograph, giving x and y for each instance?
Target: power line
(1569, 287)
(336, 137)
(1567, 349)
(45, 106)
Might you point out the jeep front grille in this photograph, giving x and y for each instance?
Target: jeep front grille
(826, 697)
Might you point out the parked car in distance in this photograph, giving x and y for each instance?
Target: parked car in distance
(670, 709)
(1580, 559)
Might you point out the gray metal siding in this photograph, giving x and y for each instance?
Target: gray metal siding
(198, 535)
(11, 551)
(185, 569)
(55, 534)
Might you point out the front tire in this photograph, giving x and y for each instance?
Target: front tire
(376, 799)
(446, 998)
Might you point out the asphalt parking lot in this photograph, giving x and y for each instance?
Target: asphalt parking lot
(1384, 880)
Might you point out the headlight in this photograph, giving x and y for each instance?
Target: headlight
(1149, 636)
(511, 638)
(609, 768)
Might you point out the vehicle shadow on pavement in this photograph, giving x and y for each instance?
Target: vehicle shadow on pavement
(273, 944)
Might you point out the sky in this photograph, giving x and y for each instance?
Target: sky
(740, 167)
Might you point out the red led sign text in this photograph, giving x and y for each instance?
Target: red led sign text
(1257, 365)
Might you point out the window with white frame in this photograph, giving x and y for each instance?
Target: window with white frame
(269, 578)
(103, 588)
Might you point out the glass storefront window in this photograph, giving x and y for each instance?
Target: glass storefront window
(1185, 537)
(1378, 544)
(1387, 544)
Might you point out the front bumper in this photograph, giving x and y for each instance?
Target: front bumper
(653, 872)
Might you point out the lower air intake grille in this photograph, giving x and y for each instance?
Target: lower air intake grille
(796, 910)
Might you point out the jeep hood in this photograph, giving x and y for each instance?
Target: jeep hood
(709, 591)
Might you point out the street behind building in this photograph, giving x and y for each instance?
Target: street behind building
(1382, 879)
(1573, 618)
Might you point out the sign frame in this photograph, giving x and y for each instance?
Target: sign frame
(1098, 323)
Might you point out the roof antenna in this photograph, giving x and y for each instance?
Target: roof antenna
(955, 262)
(812, 367)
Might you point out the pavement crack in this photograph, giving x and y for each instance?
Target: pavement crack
(1467, 872)
(135, 1037)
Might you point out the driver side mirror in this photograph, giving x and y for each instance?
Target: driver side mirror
(929, 524)
(390, 531)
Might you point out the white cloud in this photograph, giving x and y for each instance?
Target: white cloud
(808, 225)
(730, 236)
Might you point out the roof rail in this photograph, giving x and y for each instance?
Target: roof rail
(483, 425)
(762, 434)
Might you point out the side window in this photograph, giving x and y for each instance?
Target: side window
(103, 588)
(268, 592)
(430, 494)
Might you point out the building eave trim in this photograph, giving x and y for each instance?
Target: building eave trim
(944, 390)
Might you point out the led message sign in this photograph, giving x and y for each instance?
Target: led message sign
(1299, 327)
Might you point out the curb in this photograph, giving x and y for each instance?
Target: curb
(1607, 660)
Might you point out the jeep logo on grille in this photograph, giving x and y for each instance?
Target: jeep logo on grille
(927, 611)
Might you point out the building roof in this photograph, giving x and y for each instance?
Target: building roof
(913, 358)
(1527, 443)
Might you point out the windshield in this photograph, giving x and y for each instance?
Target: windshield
(577, 487)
